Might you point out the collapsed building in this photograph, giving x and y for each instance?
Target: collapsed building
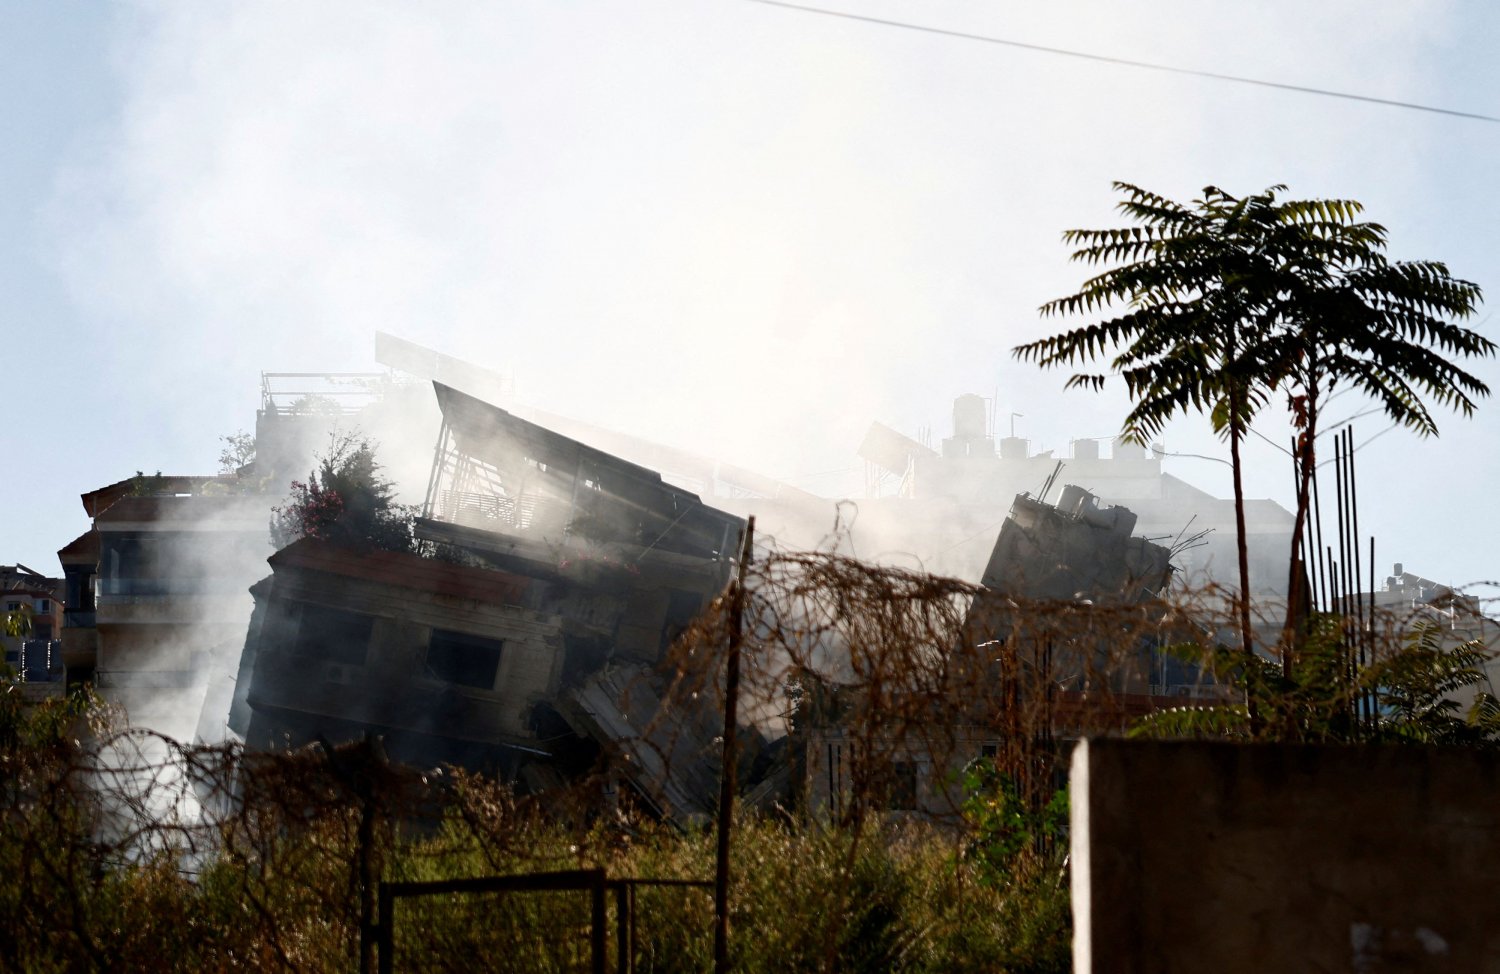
(157, 587)
(940, 501)
(1074, 549)
(1065, 622)
(529, 646)
(1082, 558)
(561, 559)
(1450, 617)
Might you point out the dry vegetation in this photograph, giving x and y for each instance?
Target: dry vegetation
(121, 850)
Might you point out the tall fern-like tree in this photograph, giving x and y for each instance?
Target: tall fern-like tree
(1186, 316)
(1216, 304)
(1348, 316)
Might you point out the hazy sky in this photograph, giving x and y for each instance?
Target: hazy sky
(716, 223)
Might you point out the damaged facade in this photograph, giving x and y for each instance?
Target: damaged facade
(528, 645)
(1048, 684)
(527, 636)
(1078, 554)
(1075, 549)
(939, 500)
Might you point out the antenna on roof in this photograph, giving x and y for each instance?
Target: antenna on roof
(1051, 478)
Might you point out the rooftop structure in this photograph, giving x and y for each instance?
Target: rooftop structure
(939, 506)
(973, 474)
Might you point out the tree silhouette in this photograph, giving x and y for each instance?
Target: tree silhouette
(1194, 288)
(1225, 300)
(1348, 316)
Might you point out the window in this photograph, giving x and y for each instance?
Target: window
(44, 606)
(682, 608)
(903, 795)
(458, 657)
(135, 565)
(333, 634)
(584, 654)
(12, 607)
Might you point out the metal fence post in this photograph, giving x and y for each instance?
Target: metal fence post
(598, 941)
(385, 937)
(630, 901)
(727, 771)
(622, 926)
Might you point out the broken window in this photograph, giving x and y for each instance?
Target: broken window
(333, 634)
(468, 660)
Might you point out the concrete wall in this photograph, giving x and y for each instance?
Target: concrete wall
(1191, 857)
(390, 688)
(935, 762)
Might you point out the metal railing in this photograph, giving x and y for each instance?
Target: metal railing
(592, 881)
(319, 393)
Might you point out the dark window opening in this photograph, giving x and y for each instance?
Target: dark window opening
(682, 608)
(903, 786)
(133, 565)
(334, 635)
(458, 657)
(583, 655)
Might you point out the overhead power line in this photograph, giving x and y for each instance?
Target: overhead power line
(1126, 62)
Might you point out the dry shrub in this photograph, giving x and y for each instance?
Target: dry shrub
(123, 850)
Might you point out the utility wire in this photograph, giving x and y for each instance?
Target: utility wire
(1126, 62)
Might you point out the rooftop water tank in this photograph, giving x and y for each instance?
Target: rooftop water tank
(969, 419)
